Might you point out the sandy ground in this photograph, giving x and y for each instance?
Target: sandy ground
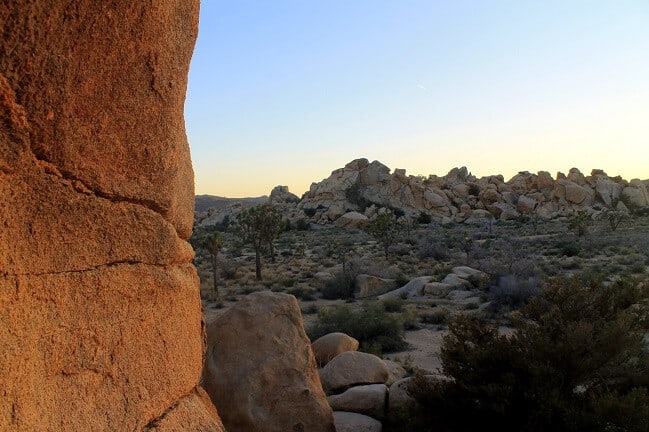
(423, 352)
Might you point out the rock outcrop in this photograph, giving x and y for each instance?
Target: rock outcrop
(100, 318)
(364, 187)
(260, 370)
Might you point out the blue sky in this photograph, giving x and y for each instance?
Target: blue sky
(285, 91)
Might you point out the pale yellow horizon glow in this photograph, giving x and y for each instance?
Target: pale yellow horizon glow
(275, 97)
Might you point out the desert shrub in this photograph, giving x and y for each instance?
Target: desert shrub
(579, 222)
(302, 225)
(400, 249)
(512, 292)
(569, 248)
(229, 269)
(507, 256)
(309, 212)
(384, 229)
(430, 248)
(288, 282)
(474, 189)
(424, 218)
(375, 329)
(301, 293)
(575, 363)
(436, 316)
(443, 271)
(392, 304)
(592, 275)
(340, 286)
(401, 280)
(355, 196)
(614, 218)
(410, 319)
(310, 309)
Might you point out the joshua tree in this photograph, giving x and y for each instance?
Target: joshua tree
(580, 222)
(259, 226)
(615, 218)
(466, 244)
(212, 244)
(384, 229)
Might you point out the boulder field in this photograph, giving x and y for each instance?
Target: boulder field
(364, 187)
(353, 195)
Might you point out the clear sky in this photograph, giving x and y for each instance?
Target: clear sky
(282, 92)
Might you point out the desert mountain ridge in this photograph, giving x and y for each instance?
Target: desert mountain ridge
(364, 187)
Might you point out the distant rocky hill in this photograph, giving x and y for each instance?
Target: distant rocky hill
(204, 202)
(365, 187)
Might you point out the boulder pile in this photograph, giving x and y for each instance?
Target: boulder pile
(358, 384)
(364, 187)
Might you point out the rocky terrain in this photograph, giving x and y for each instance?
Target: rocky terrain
(482, 250)
(100, 318)
(104, 323)
(362, 188)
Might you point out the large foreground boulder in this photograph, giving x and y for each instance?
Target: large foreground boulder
(260, 370)
(100, 317)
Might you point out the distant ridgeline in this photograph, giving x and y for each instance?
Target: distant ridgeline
(365, 187)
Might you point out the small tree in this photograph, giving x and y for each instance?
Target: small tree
(212, 244)
(615, 218)
(259, 226)
(384, 229)
(579, 222)
(466, 245)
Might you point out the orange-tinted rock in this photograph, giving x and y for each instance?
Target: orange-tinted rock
(260, 370)
(194, 412)
(330, 345)
(100, 319)
(103, 86)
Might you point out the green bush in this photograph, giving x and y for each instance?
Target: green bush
(302, 225)
(392, 304)
(401, 280)
(288, 282)
(302, 293)
(430, 248)
(424, 218)
(375, 329)
(512, 292)
(436, 316)
(576, 362)
(569, 248)
(341, 286)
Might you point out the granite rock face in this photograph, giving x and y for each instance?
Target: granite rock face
(100, 318)
(260, 370)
